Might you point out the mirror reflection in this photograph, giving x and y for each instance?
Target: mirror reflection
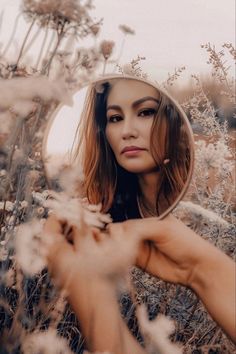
(133, 143)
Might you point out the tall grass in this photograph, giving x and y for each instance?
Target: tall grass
(33, 313)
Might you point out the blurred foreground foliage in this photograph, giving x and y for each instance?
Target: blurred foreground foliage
(32, 88)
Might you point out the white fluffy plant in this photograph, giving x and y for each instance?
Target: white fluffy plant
(214, 172)
(21, 97)
(156, 333)
(29, 95)
(68, 206)
(24, 108)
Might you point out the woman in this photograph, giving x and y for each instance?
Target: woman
(134, 149)
(136, 159)
(135, 154)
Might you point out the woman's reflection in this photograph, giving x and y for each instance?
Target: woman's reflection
(134, 149)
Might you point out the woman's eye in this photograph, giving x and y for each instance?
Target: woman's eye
(114, 119)
(149, 112)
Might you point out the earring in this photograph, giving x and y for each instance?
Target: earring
(166, 161)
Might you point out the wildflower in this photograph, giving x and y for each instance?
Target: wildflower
(45, 194)
(30, 253)
(3, 173)
(23, 108)
(10, 220)
(213, 155)
(3, 254)
(216, 59)
(199, 212)
(126, 29)
(156, 333)
(8, 205)
(74, 211)
(24, 204)
(40, 211)
(133, 68)
(173, 77)
(127, 69)
(5, 123)
(39, 198)
(70, 180)
(26, 89)
(45, 342)
(54, 165)
(71, 10)
(106, 48)
(95, 29)
(231, 49)
(60, 15)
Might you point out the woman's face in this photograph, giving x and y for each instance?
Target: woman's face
(131, 107)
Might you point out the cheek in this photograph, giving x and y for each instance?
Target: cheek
(147, 133)
(110, 136)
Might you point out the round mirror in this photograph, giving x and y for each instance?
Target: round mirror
(132, 141)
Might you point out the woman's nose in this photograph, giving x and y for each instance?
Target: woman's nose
(129, 129)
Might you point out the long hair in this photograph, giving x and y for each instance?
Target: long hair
(104, 179)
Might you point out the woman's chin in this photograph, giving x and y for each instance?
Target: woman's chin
(137, 169)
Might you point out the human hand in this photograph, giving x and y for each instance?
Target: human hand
(89, 253)
(168, 249)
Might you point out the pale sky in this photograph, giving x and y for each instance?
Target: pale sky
(168, 32)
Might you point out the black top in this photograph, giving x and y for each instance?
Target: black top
(122, 210)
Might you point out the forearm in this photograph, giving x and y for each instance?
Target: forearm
(182, 256)
(97, 309)
(214, 282)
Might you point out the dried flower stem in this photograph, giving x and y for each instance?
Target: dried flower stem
(50, 43)
(60, 35)
(12, 35)
(104, 66)
(121, 50)
(25, 40)
(27, 47)
(42, 47)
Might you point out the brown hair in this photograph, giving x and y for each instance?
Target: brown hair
(104, 178)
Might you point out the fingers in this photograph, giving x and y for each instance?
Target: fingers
(77, 236)
(72, 234)
(115, 230)
(80, 236)
(98, 235)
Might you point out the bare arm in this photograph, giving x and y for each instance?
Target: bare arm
(177, 254)
(81, 269)
(213, 279)
(97, 308)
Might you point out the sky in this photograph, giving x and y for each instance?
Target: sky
(168, 33)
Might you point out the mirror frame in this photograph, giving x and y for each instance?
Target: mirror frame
(106, 77)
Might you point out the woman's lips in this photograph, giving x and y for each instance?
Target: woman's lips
(131, 150)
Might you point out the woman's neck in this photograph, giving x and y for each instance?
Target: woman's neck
(149, 186)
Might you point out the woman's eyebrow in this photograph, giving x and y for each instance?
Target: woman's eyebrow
(114, 106)
(143, 99)
(135, 103)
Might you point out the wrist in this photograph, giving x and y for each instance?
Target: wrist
(86, 281)
(204, 273)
